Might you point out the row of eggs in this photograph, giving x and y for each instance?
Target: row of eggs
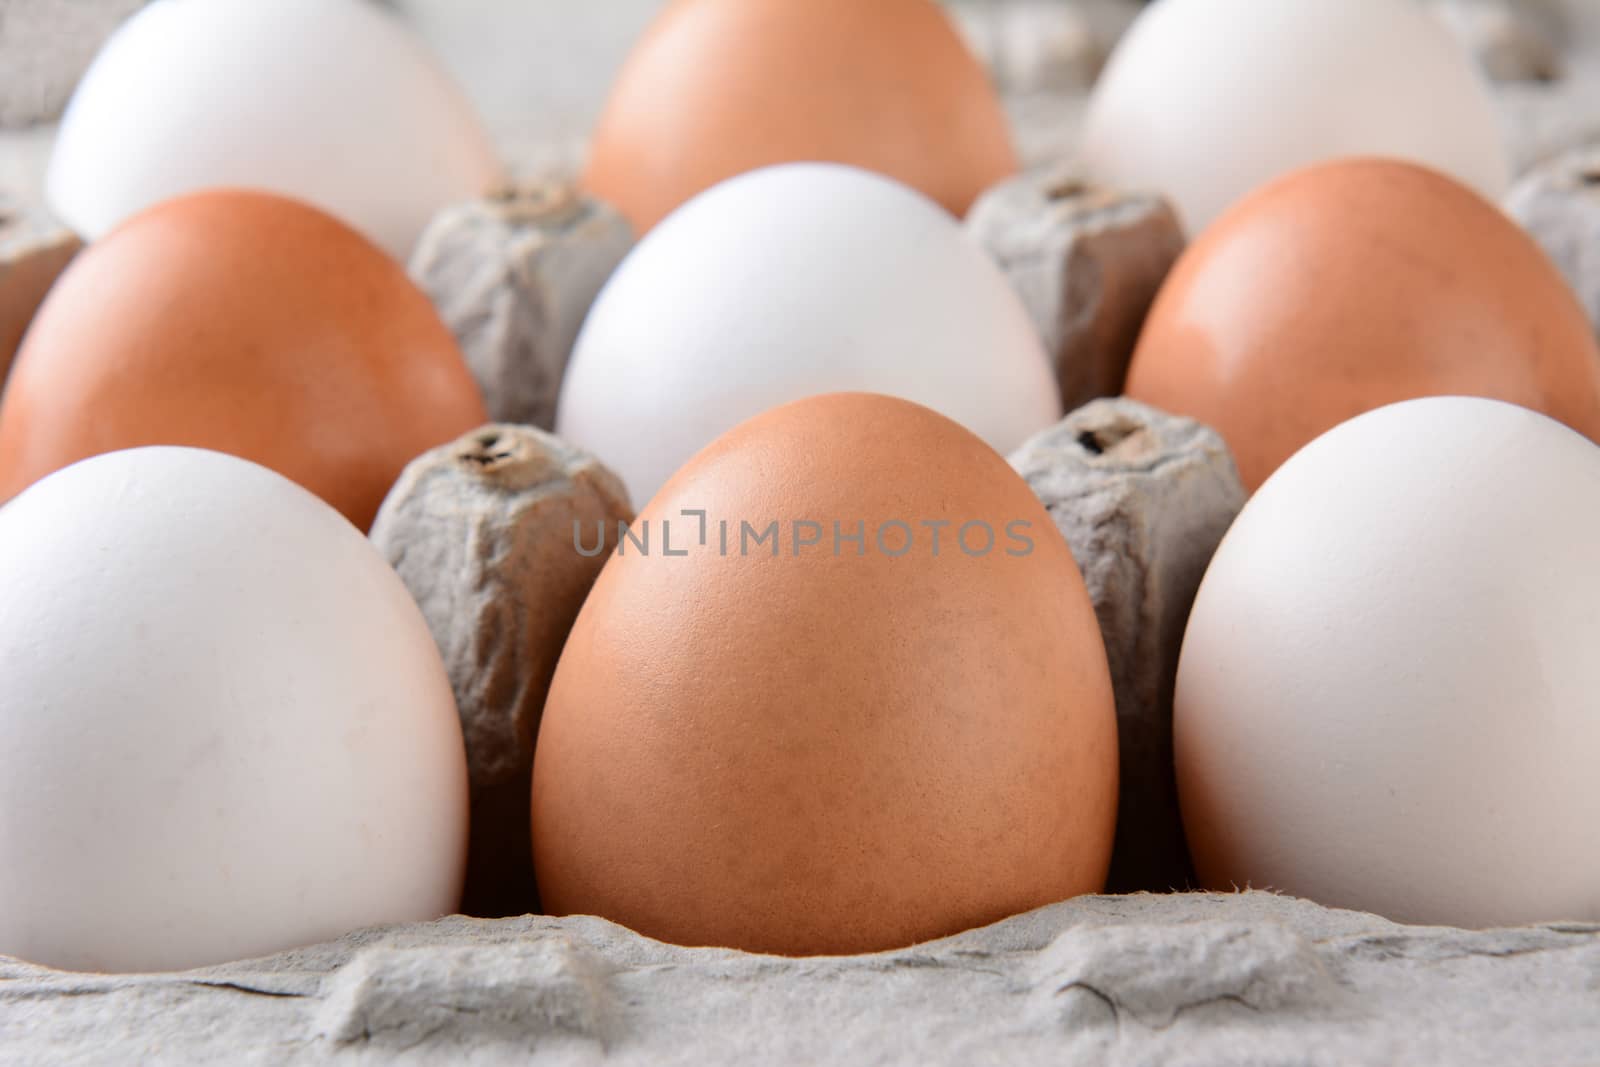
(366, 126)
(226, 730)
(334, 102)
(1331, 291)
(199, 614)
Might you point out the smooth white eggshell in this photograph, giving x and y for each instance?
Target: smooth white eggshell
(1205, 100)
(224, 727)
(333, 102)
(1389, 692)
(788, 282)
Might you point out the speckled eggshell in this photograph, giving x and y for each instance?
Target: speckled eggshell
(809, 753)
(719, 87)
(245, 323)
(1352, 285)
(1389, 698)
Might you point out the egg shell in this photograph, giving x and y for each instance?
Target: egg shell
(789, 282)
(224, 730)
(334, 102)
(1387, 695)
(782, 749)
(245, 323)
(719, 87)
(1355, 284)
(1206, 100)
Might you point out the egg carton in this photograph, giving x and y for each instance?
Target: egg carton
(1202, 979)
(34, 250)
(1142, 498)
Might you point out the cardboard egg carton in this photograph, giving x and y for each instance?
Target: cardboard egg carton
(1141, 497)
(1198, 979)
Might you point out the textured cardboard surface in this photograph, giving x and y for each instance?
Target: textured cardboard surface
(1193, 979)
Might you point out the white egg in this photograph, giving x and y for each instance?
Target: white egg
(1389, 692)
(787, 282)
(333, 102)
(224, 727)
(1205, 100)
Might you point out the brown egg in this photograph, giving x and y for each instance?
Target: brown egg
(247, 324)
(1345, 287)
(719, 87)
(808, 752)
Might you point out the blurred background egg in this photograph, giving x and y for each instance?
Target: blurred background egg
(1352, 285)
(249, 324)
(1205, 100)
(1387, 694)
(814, 745)
(788, 282)
(719, 87)
(224, 729)
(334, 102)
